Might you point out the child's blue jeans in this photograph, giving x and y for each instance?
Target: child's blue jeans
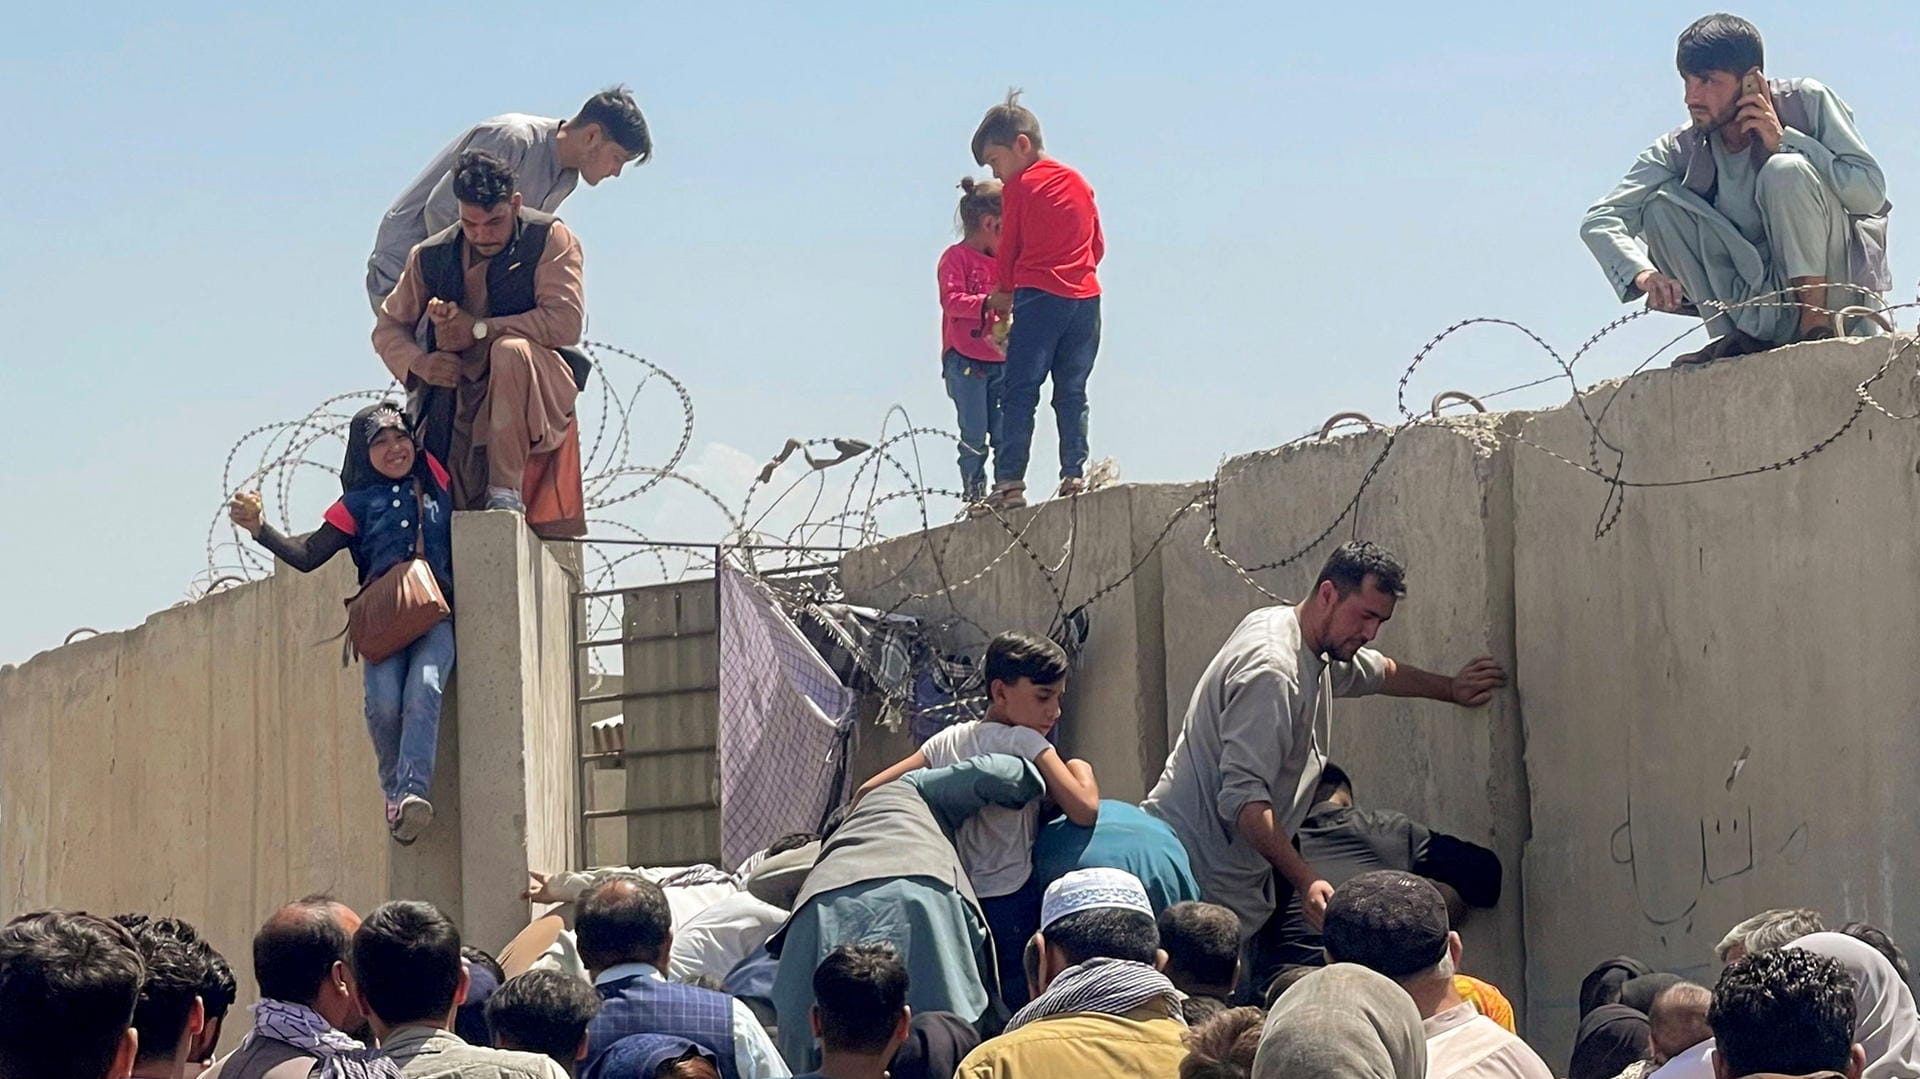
(1052, 336)
(975, 388)
(403, 711)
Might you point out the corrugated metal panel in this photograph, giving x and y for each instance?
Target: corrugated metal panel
(672, 653)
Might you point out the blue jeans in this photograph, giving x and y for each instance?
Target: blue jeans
(1052, 335)
(403, 711)
(975, 389)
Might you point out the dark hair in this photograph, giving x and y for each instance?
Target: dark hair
(978, 199)
(483, 180)
(1223, 1045)
(294, 952)
(543, 1011)
(1288, 977)
(1333, 780)
(689, 1065)
(616, 114)
(1198, 1009)
(1351, 563)
(406, 958)
(1105, 933)
(68, 985)
(1202, 941)
(178, 964)
(220, 989)
(1389, 921)
(1786, 1011)
(479, 958)
(791, 841)
(622, 919)
(859, 990)
(1015, 655)
(1879, 941)
(1720, 42)
(1002, 124)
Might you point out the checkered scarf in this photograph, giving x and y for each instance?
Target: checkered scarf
(341, 1057)
(1107, 986)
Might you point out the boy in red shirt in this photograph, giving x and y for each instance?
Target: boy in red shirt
(1050, 244)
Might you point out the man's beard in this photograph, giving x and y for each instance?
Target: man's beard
(1716, 123)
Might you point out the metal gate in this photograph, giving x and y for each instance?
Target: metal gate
(649, 767)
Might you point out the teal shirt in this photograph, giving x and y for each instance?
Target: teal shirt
(1124, 837)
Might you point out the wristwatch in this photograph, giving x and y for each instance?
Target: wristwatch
(479, 329)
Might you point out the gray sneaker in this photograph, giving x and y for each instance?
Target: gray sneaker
(1006, 496)
(414, 816)
(505, 498)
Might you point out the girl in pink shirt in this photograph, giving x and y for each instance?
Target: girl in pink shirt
(971, 361)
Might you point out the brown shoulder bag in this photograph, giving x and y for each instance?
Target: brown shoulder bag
(398, 607)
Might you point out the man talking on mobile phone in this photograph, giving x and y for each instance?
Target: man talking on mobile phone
(1768, 198)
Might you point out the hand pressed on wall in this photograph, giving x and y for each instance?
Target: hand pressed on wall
(1475, 683)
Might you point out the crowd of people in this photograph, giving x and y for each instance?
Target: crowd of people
(977, 910)
(1117, 989)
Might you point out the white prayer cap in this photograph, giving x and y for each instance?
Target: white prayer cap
(1090, 889)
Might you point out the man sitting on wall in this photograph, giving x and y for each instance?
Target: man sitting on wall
(473, 331)
(1769, 198)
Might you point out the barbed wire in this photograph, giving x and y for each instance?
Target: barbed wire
(864, 494)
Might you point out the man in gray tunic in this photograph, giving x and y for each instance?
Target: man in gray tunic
(1242, 776)
(1769, 199)
(548, 158)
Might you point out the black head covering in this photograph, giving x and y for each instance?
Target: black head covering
(936, 1044)
(1639, 992)
(356, 469)
(1604, 984)
(1611, 1037)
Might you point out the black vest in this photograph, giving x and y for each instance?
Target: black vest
(443, 262)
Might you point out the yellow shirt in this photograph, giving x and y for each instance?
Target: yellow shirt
(1084, 1043)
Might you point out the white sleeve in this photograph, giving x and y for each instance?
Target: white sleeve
(753, 1053)
(1029, 743)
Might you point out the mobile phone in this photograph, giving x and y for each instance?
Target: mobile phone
(1752, 83)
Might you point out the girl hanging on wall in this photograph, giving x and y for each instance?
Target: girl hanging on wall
(394, 510)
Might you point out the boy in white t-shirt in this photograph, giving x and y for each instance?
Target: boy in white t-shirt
(1026, 681)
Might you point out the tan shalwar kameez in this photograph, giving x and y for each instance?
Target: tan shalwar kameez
(516, 395)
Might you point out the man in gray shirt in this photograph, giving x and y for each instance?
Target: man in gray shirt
(1242, 775)
(548, 158)
(1764, 217)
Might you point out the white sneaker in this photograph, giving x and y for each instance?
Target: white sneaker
(414, 816)
(505, 498)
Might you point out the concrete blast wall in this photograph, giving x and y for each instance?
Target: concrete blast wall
(1713, 702)
(214, 762)
(1720, 693)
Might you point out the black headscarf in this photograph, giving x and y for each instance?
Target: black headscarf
(356, 469)
(1603, 985)
(1639, 992)
(1611, 1037)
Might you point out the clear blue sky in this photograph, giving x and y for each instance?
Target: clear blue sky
(1295, 197)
